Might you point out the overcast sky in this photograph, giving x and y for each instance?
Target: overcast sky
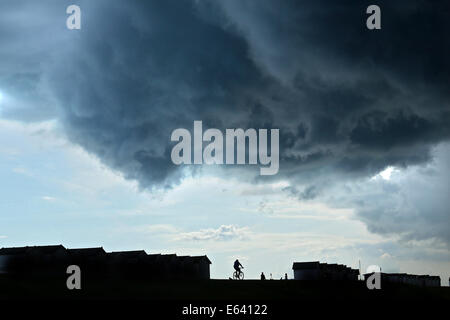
(364, 117)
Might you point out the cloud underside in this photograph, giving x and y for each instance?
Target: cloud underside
(349, 102)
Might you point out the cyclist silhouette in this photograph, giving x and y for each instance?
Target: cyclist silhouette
(238, 266)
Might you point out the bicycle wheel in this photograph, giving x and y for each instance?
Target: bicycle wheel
(241, 276)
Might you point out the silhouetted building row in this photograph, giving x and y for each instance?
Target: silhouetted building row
(323, 271)
(410, 279)
(95, 262)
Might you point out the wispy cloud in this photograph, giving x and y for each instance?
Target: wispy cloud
(385, 256)
(48, 198)
(22, 171)
(293, 208)
(223, 233)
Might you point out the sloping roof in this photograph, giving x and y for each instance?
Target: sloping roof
(128, 254)
(153, 257)
(13, 250)
(46, 249)
(182, 258)
(34, 250)
(168, 258)
(201, 258)
(87, 251)
(305, 265)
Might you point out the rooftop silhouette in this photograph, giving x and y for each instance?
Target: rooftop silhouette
(96, 262)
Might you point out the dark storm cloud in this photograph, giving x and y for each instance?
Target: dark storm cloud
(348, 101)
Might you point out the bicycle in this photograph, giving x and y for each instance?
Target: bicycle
(238, 275)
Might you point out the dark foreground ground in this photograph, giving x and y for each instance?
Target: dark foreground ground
(213, 290)
(247, 299)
